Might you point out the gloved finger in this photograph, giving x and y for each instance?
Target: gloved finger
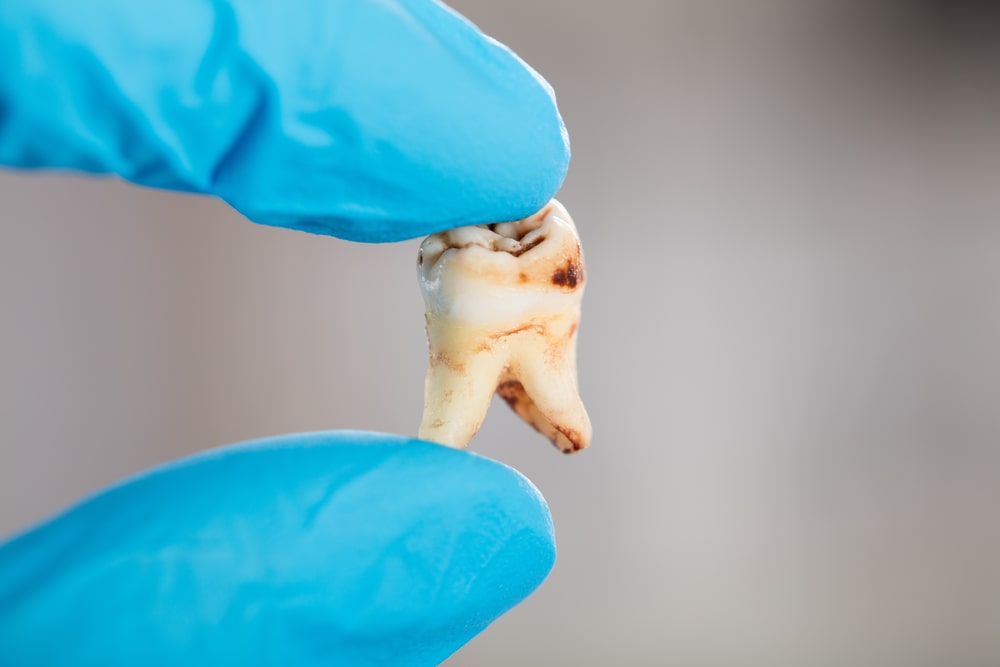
(372, 120)
(328, 548)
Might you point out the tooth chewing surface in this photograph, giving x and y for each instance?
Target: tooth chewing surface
(503, 305)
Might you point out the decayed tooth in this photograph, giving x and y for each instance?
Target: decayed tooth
(503, 304)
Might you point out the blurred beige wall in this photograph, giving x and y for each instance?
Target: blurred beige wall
(791, 214)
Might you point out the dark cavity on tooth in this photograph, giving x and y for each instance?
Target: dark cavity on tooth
(567, 276)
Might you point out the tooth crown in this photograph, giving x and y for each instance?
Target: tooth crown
(503, 304)
(500, 273)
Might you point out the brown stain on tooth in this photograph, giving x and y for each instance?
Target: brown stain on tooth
(567, 276)
(525, 248)
(524, 327)
(442, 358)
(541, 215)
(573, 436)
(510, 391)
(491, 339)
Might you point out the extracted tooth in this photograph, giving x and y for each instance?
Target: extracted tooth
(503, 305)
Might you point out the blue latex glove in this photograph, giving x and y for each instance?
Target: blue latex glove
(374, 121)
(324, 549)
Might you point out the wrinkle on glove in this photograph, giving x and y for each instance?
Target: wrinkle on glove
(371, 120)
(341, 548)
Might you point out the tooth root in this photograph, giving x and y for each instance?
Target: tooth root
(461, 379)
(542, 390)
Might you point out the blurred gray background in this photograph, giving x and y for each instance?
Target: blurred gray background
(791, 214)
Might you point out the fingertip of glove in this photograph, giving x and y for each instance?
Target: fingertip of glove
(481, 139)
(418, 547)
(435, 125)
(356, 547)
